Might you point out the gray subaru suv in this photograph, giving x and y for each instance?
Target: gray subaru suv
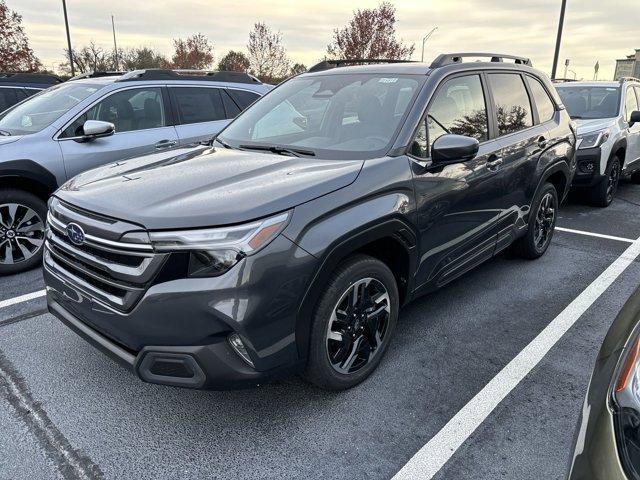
(97, 119)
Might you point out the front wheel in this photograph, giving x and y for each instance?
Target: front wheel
(352, 323)
(22, 227)
(603, 193)
(542, 224)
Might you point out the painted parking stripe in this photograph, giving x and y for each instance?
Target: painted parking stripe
(432, 456)
(22, 298)
(592, 234)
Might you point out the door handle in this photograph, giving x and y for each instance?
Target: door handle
(162, 144)
(494, 162)
(542, 142)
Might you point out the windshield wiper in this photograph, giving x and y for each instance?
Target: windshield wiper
(4, 133)
(296, 152)
(221, 142)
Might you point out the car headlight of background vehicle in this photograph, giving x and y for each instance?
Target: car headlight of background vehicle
(593, 139)
(213, 251)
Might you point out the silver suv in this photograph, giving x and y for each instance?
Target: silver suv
(96, 119)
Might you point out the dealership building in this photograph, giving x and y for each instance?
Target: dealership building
(628, 67)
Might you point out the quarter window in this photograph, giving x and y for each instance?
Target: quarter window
(242, 97)
(129, 110)
(196, 105)
(458, 107)
(630, 103)
(513, 107)
(544, 104)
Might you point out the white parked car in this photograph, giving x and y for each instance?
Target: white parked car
(608, 119)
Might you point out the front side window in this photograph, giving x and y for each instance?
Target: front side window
(459, 107)
(129, 110)
(544, 104)
(350, 116)
(513, 107)
(42, 109)
(197, 105)
(583, 102)
(630, 104)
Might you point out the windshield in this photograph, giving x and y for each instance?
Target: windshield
(41, 110)
(590, 102)
(331, 116)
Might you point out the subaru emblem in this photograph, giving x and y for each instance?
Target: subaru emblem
(75, 233)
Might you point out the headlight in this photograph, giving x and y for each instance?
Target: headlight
(216, 250)
(594, 139)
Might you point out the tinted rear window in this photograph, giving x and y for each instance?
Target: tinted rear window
(197, 105)
(242, 97)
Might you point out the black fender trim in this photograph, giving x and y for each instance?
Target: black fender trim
(552, 169)
(620, 143)
(30, 170)
(390, 228)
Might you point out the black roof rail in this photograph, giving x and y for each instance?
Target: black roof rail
(329, 64)
(451, 58)
(564, 80)
(97, 74)
(201, 75)
(46, 78)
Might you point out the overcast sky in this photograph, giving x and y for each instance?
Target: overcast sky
(600, 30)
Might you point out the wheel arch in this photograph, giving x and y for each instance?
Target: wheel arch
(29, 176)
(558, 175)
(619, 150)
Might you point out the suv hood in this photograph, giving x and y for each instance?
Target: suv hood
(203, 186)
(593, 125)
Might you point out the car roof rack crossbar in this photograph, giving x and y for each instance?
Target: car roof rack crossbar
(451, 58)
(628, 79)
(182, 74)
(47, 78)
(329, 64)
(97, 74)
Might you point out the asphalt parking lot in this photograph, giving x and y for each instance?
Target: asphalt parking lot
(67, 411)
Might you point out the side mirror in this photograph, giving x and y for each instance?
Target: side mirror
(635, 118)
(452, 148)
(97, 129)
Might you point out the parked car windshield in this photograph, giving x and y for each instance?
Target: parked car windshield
(590, 102)
(41, 110)
(332, 116)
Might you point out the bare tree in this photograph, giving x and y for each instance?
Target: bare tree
(90, 58)
(298, 68)
(371, 33)
(15, 52)
(142, 57)
(234, 62)
(196, 52)
(267, 56)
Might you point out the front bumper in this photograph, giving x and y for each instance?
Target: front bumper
(588, 163)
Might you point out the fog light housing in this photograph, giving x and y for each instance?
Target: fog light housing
(588, 167)
(238, 346)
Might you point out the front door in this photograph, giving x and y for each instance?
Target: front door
(140, 118)
(458, 205)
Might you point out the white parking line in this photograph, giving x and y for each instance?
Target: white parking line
(432, 456)
(592, 234)
(22, 298)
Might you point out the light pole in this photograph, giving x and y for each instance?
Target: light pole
(115, 45)
(575, 75)
(66, 25)
(424, 40)
(558, 40)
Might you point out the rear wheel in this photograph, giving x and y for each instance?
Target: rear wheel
(542, 224)
(22, 226)
(352, 324)
(603, 193)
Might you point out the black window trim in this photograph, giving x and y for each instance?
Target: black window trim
(57, 137)
(488, 101)
(535, 104)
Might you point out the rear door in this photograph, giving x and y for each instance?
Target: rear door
(143, 125)
(523, 139)
(201, 112)
(633, 138)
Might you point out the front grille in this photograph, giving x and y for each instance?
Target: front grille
(113, 272)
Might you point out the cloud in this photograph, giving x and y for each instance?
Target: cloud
(594, 29)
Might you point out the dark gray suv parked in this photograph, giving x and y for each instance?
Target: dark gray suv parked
(290, 244)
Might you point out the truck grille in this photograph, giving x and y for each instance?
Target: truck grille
(107, 269)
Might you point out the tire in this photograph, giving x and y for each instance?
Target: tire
(21, 212)
(543, 216)
(604, 192)
(336, 363)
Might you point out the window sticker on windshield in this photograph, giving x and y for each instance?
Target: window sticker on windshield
(388, 80)
(612, 89)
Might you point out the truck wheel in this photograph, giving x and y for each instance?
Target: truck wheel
(352, 323)
(22, 226)
(604, 192)
(542, 224)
